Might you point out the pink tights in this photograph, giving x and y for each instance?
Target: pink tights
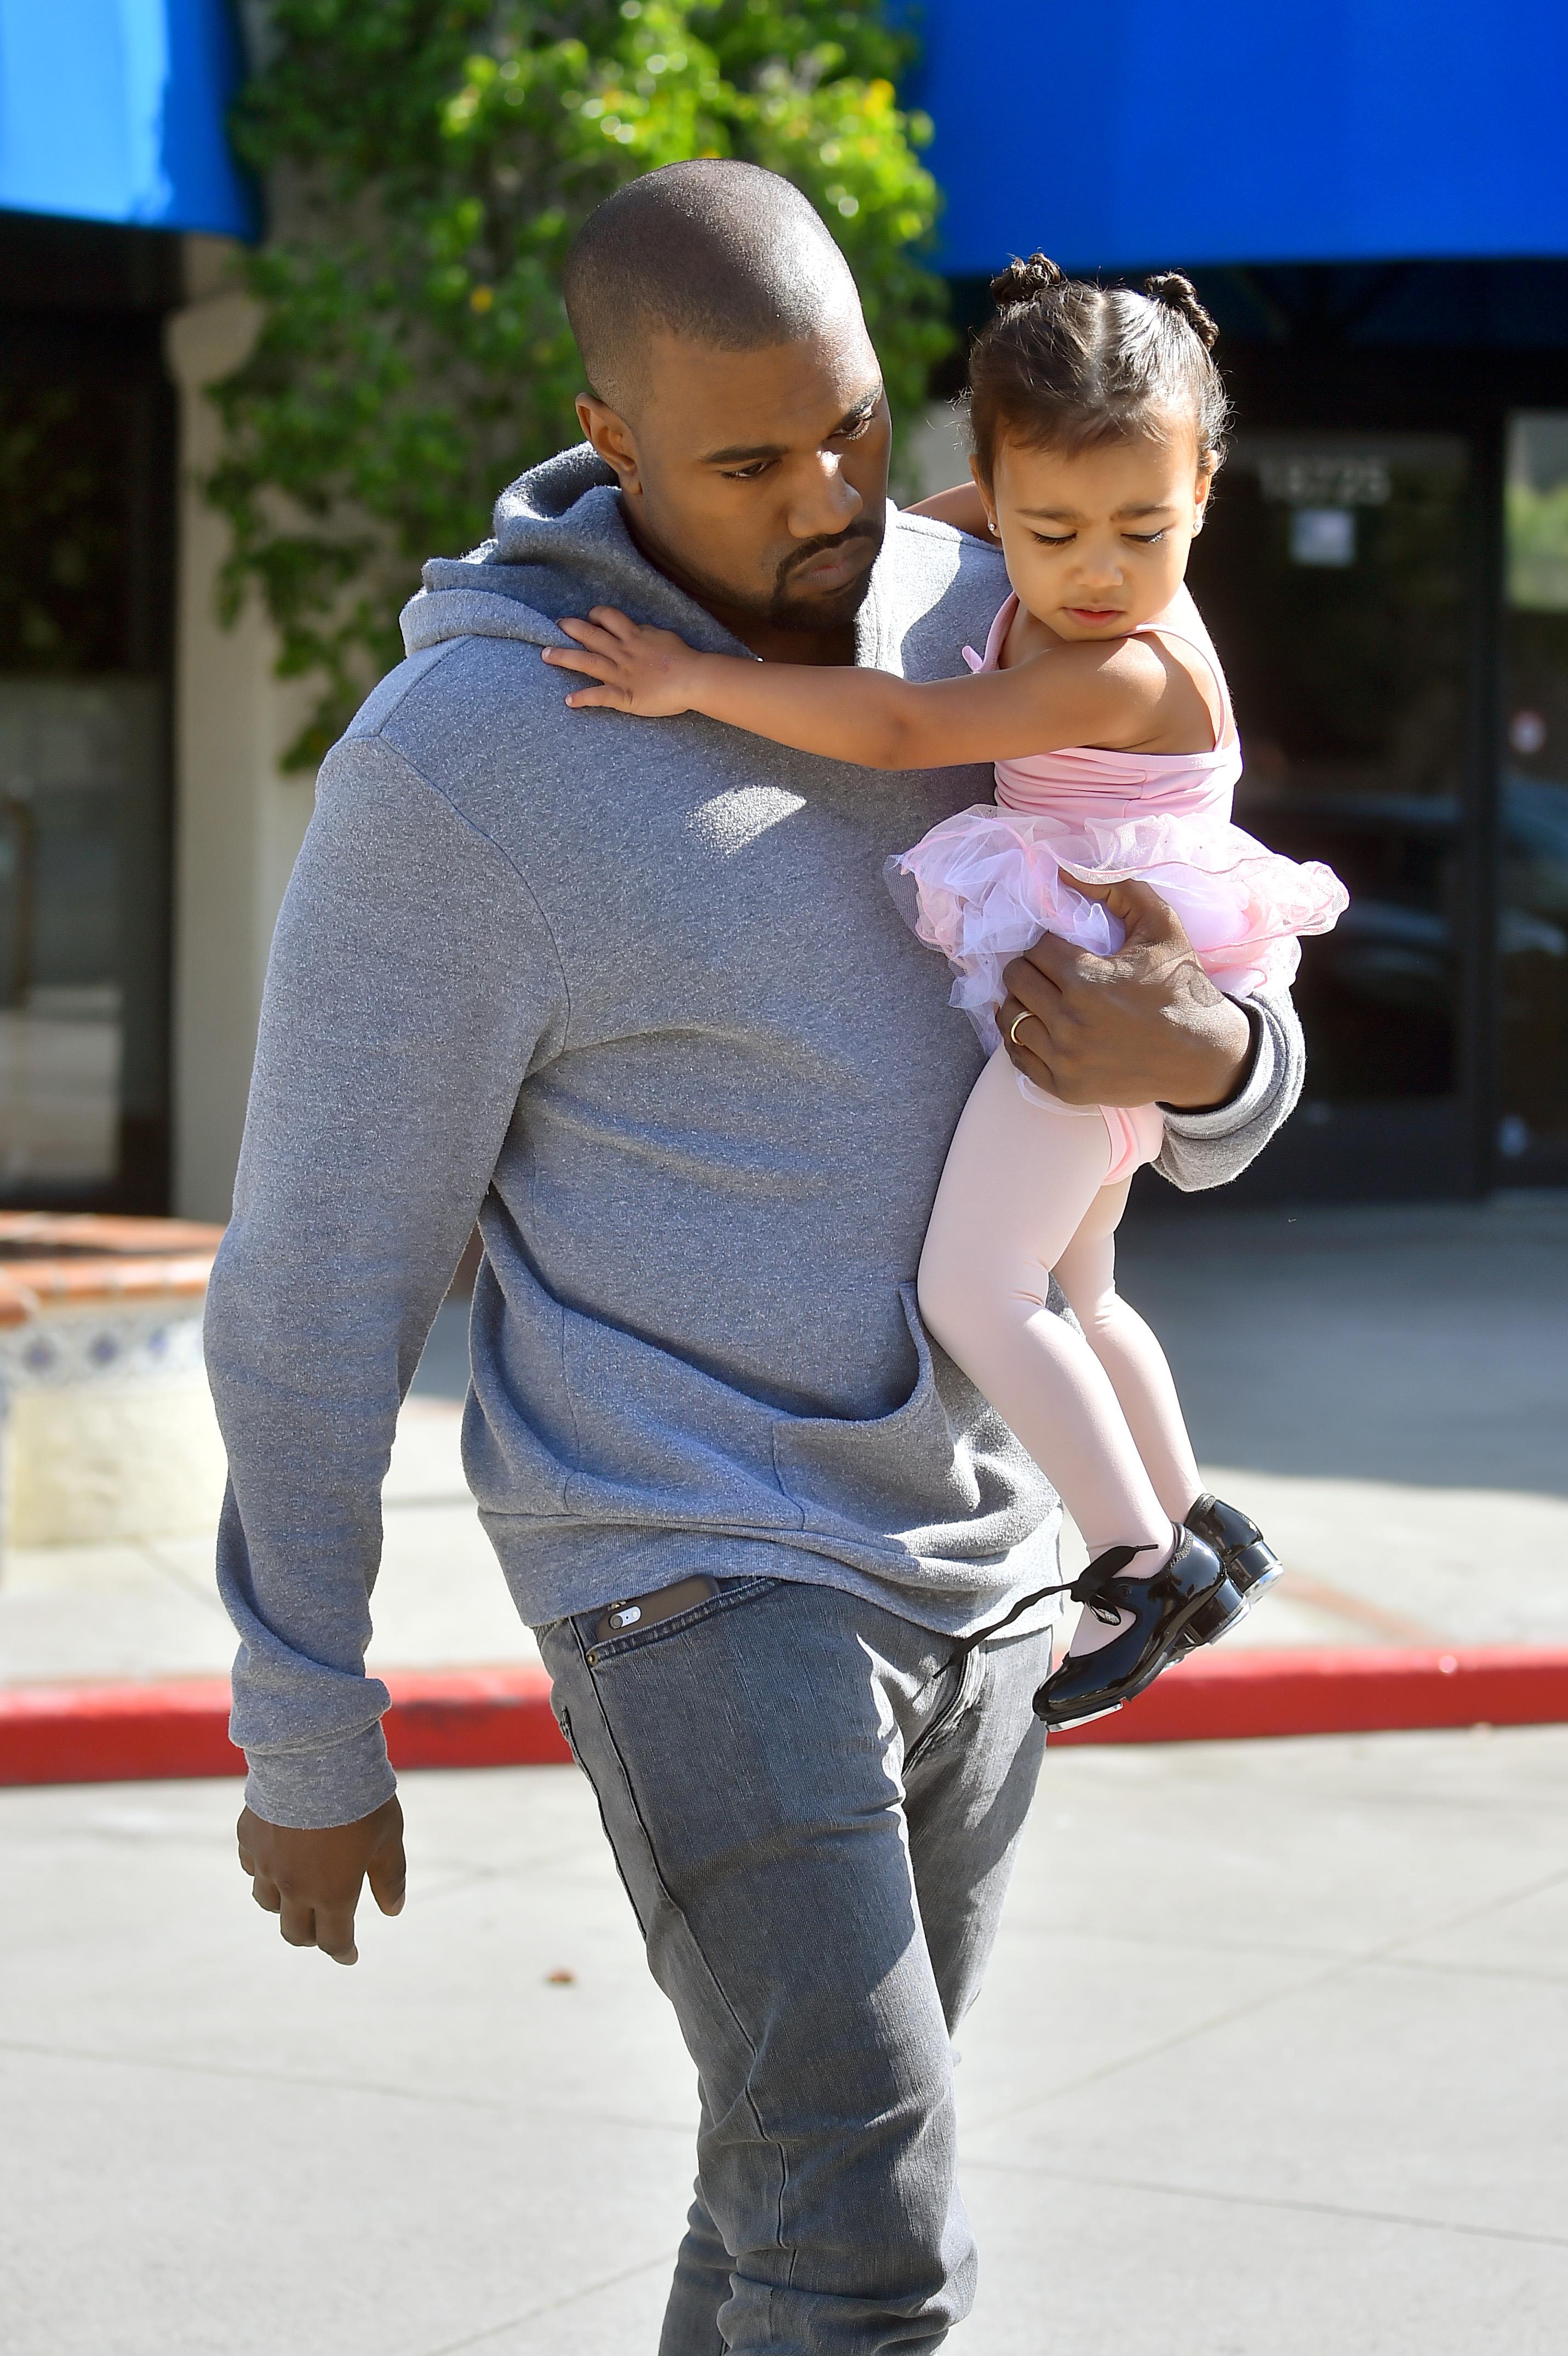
(1029, 1190)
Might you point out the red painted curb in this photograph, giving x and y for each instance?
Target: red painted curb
(502, 1717)
(1216, 1695)
(133, 1733)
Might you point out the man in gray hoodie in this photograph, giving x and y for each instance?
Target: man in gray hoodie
(632, 995)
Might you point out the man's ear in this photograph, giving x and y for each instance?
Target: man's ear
(612, 437)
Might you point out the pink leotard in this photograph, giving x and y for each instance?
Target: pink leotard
(989, 880)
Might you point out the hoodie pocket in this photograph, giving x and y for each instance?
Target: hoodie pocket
(940, 1474)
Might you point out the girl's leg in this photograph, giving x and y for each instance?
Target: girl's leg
(1020, 1176)
(1129, 1353)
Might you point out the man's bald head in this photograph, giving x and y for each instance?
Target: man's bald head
(711, 253)
(736, 397)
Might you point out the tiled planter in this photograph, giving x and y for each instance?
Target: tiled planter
(106, 1424)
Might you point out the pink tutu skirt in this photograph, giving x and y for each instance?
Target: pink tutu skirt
(987, 883)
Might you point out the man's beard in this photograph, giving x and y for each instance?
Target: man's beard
(832, 612)
(780, 610)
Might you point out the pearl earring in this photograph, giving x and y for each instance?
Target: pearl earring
(991, 527)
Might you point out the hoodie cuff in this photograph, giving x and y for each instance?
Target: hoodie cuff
(311, 1791)
(1257, 1088)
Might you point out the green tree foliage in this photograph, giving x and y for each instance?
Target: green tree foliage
(432, 160)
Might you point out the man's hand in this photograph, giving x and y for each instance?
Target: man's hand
(311, 1880)
(652, 673)
(1146, 1026)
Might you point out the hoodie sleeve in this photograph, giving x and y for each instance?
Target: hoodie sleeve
(1209, 1148)
(414, 985)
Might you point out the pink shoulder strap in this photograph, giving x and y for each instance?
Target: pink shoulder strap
(997, 632)
(1182, 620)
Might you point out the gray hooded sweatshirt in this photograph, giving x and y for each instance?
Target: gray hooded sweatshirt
(633, 995)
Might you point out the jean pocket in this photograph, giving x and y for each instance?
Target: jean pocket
(600, 1652)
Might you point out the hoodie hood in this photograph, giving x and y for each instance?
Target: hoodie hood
(559, 545)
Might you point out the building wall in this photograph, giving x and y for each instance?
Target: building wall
(239, 818)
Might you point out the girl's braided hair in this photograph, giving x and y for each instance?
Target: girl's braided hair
(1067, 366)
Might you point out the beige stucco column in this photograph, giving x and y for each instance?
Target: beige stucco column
(238, 820)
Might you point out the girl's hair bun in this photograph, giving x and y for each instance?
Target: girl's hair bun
(1025, 282)
(1180, 294)
(1065, 365)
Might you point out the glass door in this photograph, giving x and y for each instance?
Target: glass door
(1532, 909)
(81, 766)
(1333, 573)
(85, 498)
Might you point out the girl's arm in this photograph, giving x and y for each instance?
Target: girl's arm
(962, 506)
(1111, 691)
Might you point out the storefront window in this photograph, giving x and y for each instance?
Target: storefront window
(1532, 917)
(84, 844)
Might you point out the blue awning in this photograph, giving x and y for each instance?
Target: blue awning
(1236, 131)
(113, 111)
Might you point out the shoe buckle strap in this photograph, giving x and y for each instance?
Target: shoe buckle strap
(1084, 1588)
(1091, 1582)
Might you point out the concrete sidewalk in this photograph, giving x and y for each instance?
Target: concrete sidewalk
(152, 1610)
(1387, 1389)
(1271, 2056)
(1270, 2063)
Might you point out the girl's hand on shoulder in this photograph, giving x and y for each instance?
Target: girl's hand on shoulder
(651, 673)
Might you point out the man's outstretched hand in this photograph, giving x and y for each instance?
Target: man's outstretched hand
(311, 1880)
(1146, 1026)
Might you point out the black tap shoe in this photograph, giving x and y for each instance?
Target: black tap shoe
(1251, 1563)
(1191, 1600)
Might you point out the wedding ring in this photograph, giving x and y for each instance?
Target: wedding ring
(1021, 1016)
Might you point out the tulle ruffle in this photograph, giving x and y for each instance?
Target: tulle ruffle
(988, 882)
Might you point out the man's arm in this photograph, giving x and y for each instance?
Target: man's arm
(1148, 1026)
(412, 985)
(1209, 1147)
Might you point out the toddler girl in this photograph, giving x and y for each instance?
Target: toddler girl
(1097, 418)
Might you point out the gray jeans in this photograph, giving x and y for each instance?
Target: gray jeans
(814, 1812)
